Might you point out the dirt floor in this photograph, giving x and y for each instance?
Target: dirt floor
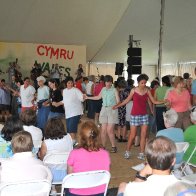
(121, 170)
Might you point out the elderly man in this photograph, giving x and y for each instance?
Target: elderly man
(155, 177)
(23, 165)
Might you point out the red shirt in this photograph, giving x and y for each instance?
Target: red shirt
(139, 104)
(79, 86)
(97, 88)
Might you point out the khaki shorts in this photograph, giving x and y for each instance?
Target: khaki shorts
(108, 115)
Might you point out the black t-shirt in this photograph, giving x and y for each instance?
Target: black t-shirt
(56, 96)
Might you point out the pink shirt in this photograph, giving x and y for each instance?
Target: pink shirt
(82, 160)
(179, 102)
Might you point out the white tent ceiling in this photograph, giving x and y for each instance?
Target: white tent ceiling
(104, 26)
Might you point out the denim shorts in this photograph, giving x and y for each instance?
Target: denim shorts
(72, 124)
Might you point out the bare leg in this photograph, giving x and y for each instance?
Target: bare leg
(122, 187)
(118, 132)
(194, 100)
(97, 118)
(131, 137)
(124, 132)
(103, 133)
(143, 137)
(73, 136)
(110, 132)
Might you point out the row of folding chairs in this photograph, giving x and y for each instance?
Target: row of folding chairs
(42, 187)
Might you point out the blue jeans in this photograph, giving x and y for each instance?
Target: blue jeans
(42, 116)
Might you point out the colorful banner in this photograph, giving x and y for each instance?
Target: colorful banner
(68, 57)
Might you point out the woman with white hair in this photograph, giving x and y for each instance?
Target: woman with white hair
(175, 134)
(42, 102)
(170, 118)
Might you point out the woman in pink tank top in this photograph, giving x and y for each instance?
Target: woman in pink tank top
(139, 115)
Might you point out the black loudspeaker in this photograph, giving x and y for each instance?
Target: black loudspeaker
(134, 52)
(134, 60)
(119, 68)
(134, 69)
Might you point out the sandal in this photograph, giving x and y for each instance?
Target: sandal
(114, 150)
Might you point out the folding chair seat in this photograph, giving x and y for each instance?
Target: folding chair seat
(88, 179)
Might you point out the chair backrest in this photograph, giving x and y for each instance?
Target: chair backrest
(177, 136)
(57, 162)
(26, 188)
(86, 180)
(190, 137)
(56, 158)
(181, 148)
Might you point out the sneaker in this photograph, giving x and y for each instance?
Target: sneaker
(75, 145)
(53, 191)
(114, 150)
(141, 156)
(127, 154)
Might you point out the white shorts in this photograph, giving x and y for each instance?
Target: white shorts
(108, 115)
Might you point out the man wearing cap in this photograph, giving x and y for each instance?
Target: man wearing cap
(27, 94)
(42, 102)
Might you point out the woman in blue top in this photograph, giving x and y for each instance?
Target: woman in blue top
(12, 126)
(108, 117)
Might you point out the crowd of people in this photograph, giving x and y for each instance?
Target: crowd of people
(52, 111)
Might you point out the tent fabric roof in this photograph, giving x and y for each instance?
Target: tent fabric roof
(104, 26)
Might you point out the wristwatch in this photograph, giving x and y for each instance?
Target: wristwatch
(140, 177)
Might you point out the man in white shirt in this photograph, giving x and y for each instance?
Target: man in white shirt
(27, 94)
(155, 177)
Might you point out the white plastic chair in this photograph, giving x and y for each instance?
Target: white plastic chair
(192, 177)
(181, 147)
(86, 180)
(26, 188)
(58, 161)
